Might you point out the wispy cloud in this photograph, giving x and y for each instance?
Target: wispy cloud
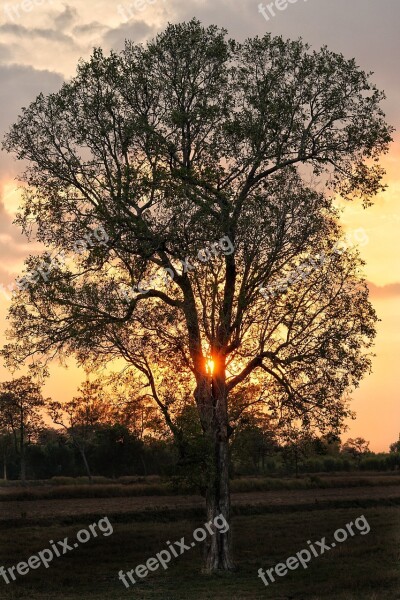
(36, 32)
(391, 290)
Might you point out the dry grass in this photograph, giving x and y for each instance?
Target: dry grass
(363, 568)
(126, 487)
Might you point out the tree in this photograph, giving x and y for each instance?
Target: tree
(253, 439)
(5, 446)
(298, 445)
(79, 417)
(21, 402)
(395, 447)
(222, 263)
(357, 448)
(132, 405)
(330, 445)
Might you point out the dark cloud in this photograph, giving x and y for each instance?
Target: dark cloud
(66, 18)
(136, 31)
(37, 32)
(20, 86)
(93, 27)
(5, 53)
(391, 290)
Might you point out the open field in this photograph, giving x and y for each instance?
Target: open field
(362, 568)
(268, 527)
(136, 508)
(67, 487)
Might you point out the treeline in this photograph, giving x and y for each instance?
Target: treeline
(114, 451)
(115, 432)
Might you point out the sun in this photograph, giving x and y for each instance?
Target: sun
(210, 366)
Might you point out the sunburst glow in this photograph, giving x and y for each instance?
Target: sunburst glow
(210, 366)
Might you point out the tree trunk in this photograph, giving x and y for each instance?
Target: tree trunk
(23, 466)
(86, 466)
(218, 552)
(22, 449)
(218, 546)
(144, 465)
(5, 466)
(85, 462)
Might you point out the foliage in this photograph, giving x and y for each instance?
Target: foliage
(169, 148)
(191, 154)
(20, 417)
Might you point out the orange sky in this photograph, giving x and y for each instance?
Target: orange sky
(39, 49)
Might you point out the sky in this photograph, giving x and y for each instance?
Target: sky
(41, 42)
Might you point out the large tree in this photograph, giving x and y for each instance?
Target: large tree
(195, 154)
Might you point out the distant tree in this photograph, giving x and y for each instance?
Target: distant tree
(6, 441)
(395, 447)
(80, 416)
(327, 445)
(357, 448)
(116, 451)
(21, 403)
(222, 262)
(253, 439)
(297, 446)
(133, 405)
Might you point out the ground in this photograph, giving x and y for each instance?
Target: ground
(365, 567)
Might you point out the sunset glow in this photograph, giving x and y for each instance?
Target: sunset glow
(210, 365)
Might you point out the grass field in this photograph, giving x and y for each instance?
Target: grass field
(365, 567)
(273, 519)
(68, 487)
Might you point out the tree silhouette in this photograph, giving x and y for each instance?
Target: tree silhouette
(222, 267)
(21, 402)
(79, 417)
(357, 448)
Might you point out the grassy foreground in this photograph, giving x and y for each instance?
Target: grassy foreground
(362, 568)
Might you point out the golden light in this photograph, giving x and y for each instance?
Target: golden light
(210, 366)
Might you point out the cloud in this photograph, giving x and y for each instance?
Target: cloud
(66, 18)
(20, 86)
(391, 290)
(136, 31)
(5, 53)
(36, 32)
(93, 27)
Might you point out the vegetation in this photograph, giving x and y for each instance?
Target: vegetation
(20, 418)
(222, 284)
(91, 571)
(116, 451)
